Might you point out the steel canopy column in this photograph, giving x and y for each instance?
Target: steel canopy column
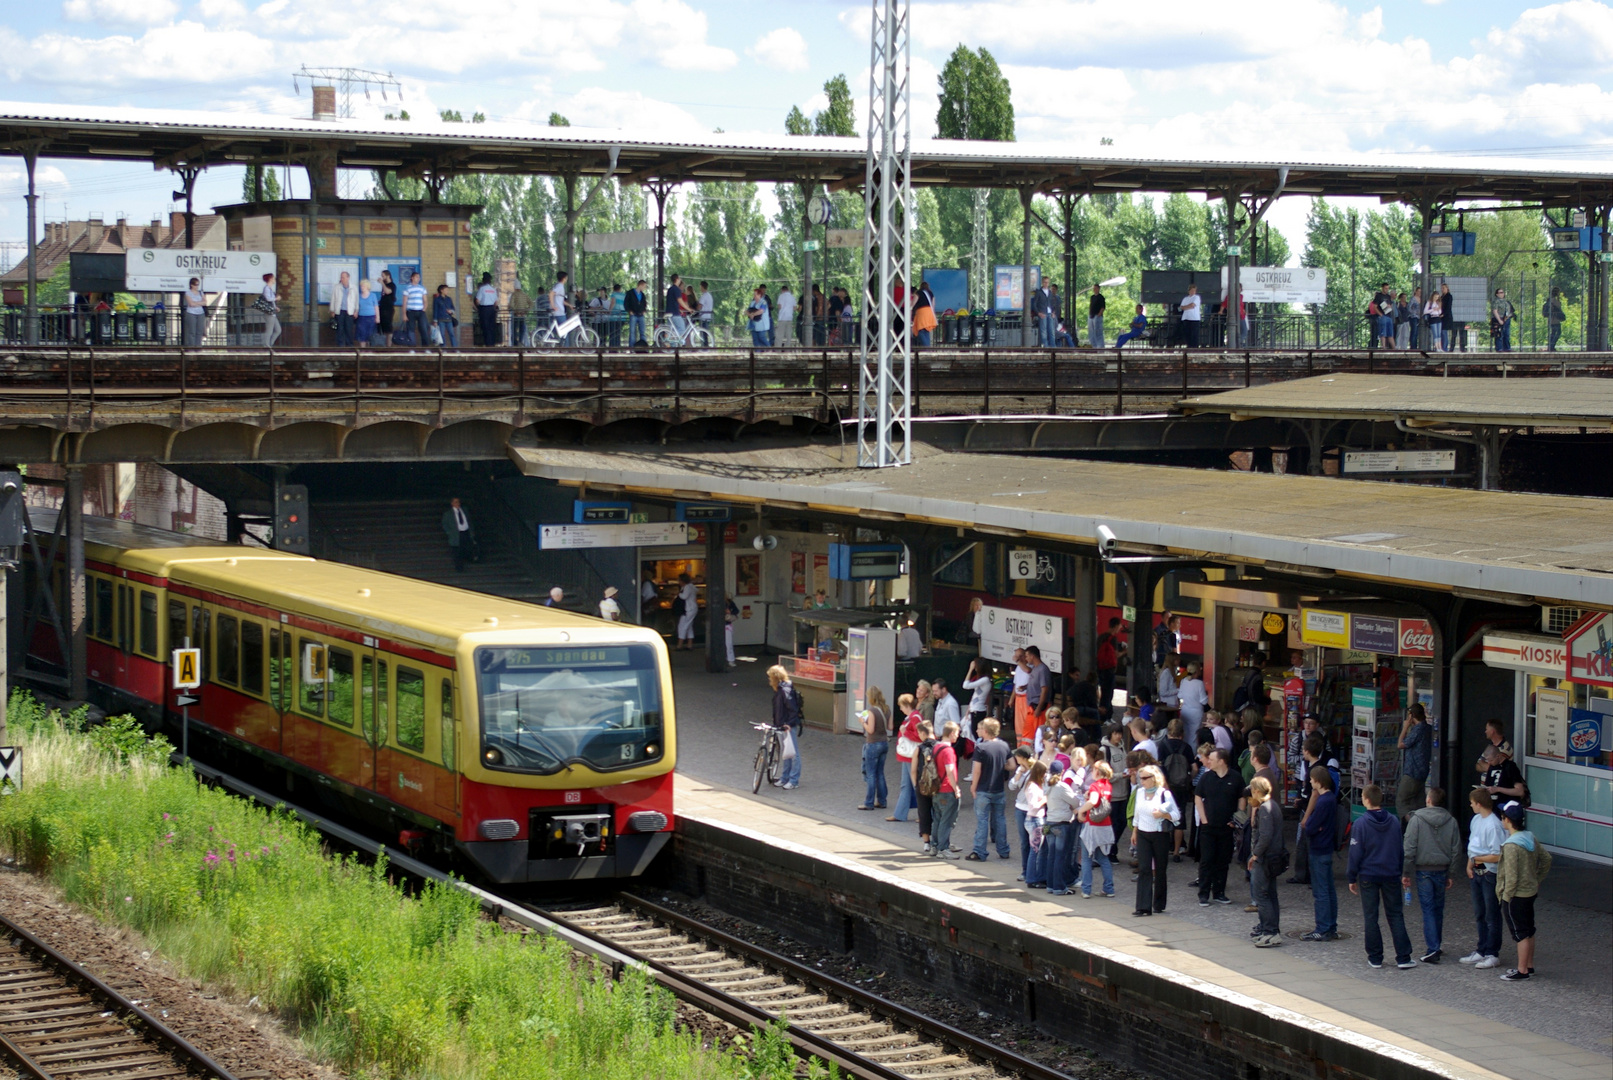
(1425, 334)
(77, 599)
(1602, 285)
(884, 405)
(30, 333)
(804, 305)
(1229, 298)
(1026, 331)
(716, 598)
(660, 189)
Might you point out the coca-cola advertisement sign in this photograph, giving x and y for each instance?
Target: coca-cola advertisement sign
(1416, 638)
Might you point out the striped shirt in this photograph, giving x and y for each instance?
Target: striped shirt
(414, 297)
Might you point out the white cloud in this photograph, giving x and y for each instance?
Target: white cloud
(783, 49)
(137, 12)
(599, 107)
(675, 35)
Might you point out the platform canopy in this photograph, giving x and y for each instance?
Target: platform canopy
(1422, 401)
(168, 138)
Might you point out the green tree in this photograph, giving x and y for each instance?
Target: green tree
(839, 117)
(976, 102)
(1184, 242)
(556, 120)
(249, 183)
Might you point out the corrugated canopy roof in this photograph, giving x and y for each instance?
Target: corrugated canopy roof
(167, 137)
(1546, 546)
(1526, 402)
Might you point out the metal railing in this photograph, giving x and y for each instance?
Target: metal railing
(68, 386)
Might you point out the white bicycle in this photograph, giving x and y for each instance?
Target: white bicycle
(571, 334)
(694, 335)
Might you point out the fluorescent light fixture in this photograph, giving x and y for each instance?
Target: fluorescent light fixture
(374, 163)
(110, 151)
(1493, 597)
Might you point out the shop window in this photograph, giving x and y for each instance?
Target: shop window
(103, 609)
(229, 650)
(411, 709)
(1174, 600)
(340, 680)
(148, 623)
(252, 657)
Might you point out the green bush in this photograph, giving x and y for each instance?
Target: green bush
(385, 984)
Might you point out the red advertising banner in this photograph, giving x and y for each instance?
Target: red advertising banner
(1416, 638)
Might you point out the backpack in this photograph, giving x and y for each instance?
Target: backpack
(1178, 766)
(965, 746)
(929, 776)
(797, 707)
(1106, 650)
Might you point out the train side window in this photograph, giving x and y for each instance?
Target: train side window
(448, 724)
(340, 678)
(411, 709)
(1174, 598)
(148, 623)
(229, 650)
(199, 619)
(311, 700)
(125, 618)
(176, 625)
(103, 609)
(366, 699)
(252, 657)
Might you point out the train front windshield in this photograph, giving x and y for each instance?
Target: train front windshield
(545, 708)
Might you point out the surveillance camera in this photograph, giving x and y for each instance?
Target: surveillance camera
(1107, 541)
(759, 543)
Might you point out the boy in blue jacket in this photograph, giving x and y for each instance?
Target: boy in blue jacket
(1139, 327)
(1375, 873)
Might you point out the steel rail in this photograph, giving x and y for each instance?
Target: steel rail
(186, 1054)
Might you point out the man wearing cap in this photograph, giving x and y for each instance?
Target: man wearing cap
(1502, 779)
(456, 527)
(608, 607)
(557, 596)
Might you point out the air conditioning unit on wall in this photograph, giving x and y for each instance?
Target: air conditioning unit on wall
(1554, 620)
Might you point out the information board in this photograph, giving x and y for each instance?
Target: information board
(1393, 461)
(650, 534)
(1008, 286)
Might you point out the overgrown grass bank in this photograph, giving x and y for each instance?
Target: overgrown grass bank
(381, 983)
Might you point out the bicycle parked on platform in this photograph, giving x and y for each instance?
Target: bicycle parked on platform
(571, 334)
(769, 757)
(694, 336)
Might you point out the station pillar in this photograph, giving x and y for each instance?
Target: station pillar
(1028, 336)
(716, 599)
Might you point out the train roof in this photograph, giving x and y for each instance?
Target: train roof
(370, 601)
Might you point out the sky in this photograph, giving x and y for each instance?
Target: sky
(1412, 78)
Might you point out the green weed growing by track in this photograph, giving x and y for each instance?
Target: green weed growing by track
(384, 984)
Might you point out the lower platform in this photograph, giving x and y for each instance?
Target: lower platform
(1167, 994)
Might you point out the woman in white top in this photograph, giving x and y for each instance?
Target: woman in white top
(1193, 700)
(1030, 810)
(1434, 316)
(268, 303)
(193, 325)
(1154, 818)
(691, 608)
(978, 683)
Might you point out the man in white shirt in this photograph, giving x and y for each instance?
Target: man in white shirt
(909, 642)
(344, 305)
(946, 709)
(557, 300)
(461, 537)
(708, 307)
(1192, 306)
(649, 599)
(609, 609)
(786, 317)
(487, 310)
(414, 310)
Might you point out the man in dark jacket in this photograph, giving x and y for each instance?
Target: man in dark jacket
(1375, 875)
(1216, 794)
(461, 537)
(636, 303)
(1317, 833)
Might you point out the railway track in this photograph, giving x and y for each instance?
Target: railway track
(867, 1036)
(59, 1022)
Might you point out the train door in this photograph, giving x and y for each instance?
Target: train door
(121, 662)
(373, 714)
(347, 756)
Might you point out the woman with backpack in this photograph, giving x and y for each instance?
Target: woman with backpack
(926, 781)
(1097, 832)
(1176, 763)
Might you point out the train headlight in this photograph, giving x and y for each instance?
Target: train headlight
(651, 749)
(493, 756)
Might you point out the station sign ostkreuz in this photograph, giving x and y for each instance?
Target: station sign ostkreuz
(170, 270)
(1005, 630)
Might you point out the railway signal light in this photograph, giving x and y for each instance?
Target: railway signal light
(291, 518)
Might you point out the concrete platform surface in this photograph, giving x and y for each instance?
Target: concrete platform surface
(1467, 1022)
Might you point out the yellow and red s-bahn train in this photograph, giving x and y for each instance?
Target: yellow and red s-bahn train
(537, 744)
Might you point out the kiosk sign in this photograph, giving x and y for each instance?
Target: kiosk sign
(1590, 650)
